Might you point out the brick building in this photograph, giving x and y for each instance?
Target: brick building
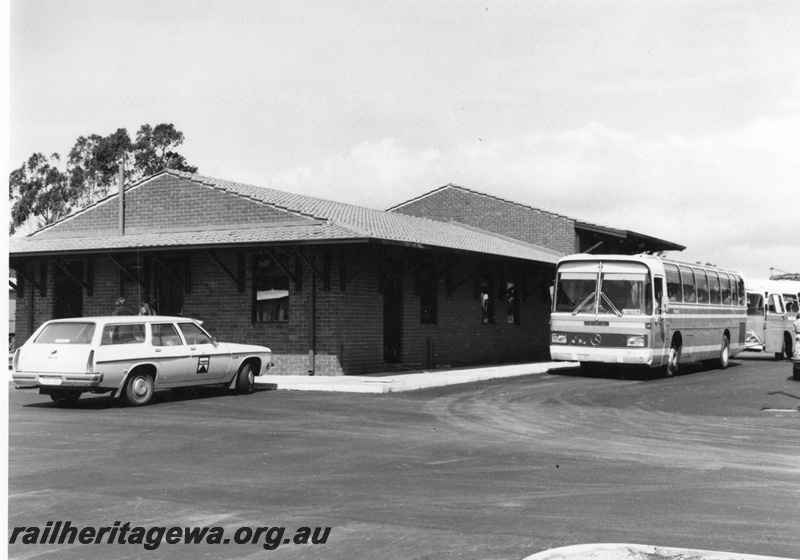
(332, 288)
(518, 221)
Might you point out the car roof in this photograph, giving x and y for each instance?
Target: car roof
(126, 319)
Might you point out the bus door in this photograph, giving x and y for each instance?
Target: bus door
(660, 338)
(775, 324)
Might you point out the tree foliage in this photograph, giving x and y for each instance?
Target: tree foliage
(44, 190)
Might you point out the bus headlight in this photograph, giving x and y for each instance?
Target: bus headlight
(558, 338)
(636, 340)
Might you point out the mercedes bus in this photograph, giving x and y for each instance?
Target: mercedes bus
(646, 310)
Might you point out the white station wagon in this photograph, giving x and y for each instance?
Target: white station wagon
(132, 356)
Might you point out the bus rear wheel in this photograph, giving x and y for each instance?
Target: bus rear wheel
(724, 353)
(673, 365)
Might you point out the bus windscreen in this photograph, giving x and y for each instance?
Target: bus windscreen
(625, 294)
(625, 289)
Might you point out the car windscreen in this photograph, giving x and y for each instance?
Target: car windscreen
(194, 334)
(66, 333)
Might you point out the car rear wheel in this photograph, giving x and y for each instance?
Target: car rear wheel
(246, 382)
(65, 398)
(139, 389)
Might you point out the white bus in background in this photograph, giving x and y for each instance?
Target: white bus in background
(772, 309)
(645, 310)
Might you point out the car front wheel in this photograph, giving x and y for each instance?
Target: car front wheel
(139, 389)
(246, 382)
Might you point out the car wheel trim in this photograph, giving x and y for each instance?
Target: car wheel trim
(139, 390)
(140, 387)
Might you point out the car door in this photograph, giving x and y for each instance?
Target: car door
(208, 360)
(172, 354)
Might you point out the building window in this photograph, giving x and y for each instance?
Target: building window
(512, 303)
(426, 289)
(271, 292)
(487, 300)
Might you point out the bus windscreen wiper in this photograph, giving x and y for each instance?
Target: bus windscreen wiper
(583, 304)
(611, 305)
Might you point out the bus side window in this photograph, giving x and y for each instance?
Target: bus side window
(659, 291)
(713, 280)
(755, 304)
(702, 285)
(725, 281)
(737, 286)
(674, 291)
(688, 285)
(775, 304)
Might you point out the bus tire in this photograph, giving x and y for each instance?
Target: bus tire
(673, 365)
(139, 389)
(724, 353)
(787, 345)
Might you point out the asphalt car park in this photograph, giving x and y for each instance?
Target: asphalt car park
(709, 459)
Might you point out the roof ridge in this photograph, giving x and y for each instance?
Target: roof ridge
(479, 193)
(416, 198)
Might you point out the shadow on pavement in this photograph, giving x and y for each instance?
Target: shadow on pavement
(634, 373)
(88, 401)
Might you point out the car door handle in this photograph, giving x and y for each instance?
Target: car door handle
(158, 349)
(192, 348)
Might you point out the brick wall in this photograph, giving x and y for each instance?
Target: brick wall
(498, 216)
(168, 202)
(348, 326)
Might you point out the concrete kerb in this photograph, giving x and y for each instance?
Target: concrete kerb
(410, 381)
(620, 551)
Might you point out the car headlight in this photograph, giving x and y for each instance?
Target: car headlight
(558, 338)
(636, 340)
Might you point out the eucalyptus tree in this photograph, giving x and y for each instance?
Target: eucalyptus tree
(44, 190)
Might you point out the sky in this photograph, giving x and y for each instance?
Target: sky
(675, 119)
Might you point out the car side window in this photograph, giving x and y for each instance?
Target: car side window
(194, 334)
(123, 334)
(165, 334)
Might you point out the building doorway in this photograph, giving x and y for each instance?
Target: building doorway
(169, 291)
(67, 293)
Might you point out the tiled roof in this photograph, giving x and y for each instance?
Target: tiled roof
(216, 237)
(579, 224)
(341, 222)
